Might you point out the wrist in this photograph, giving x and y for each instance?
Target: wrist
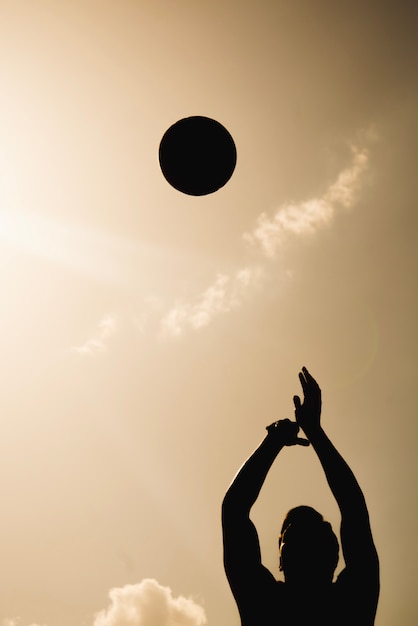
(274, 437)
(314, 433)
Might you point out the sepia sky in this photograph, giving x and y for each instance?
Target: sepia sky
(148, 337)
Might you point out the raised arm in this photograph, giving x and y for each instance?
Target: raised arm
(242, 557)
(356, 537)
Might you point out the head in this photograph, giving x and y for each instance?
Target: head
(308, 547)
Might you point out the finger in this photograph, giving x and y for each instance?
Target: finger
(309, 378)
(302, 442)
(296, 402)
(272, 426)
(303, 382)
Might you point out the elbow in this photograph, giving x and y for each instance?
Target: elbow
(228, 503)
(232, 498)
(234, 505)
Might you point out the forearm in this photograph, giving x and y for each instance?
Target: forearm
(247, 484)
(356, 536)
(341, 479)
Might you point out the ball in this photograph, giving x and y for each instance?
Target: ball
(197, 155)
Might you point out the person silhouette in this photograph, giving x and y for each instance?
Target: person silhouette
(308, 547)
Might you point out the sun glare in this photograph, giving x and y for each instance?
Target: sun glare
(94, 254)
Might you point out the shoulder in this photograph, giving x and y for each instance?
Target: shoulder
(262, 602)
(355, 579)
(357, 595)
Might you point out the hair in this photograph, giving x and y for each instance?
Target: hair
(301, 516)
(311, 525)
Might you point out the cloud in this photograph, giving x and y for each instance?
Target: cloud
(228, 290)
(98, 342)
(152, 306)
(149, 604)
(144, 604)
(309, 215)
(223, 295)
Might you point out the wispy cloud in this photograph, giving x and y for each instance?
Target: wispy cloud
(98, 342)
(309, 215)
(151, 308)
(227, 292)
(149, 604)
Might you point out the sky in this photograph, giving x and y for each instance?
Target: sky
(148, 337)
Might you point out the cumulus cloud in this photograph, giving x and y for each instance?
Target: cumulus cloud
(149, 604)
(99, 341)
(144, 604)
(309, 215)
(224, 294)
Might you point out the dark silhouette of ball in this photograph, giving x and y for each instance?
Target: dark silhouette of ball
(197, 155)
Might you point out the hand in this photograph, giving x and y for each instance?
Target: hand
(308, 414)
(286, 432)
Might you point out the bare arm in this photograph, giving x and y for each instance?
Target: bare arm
(356, 537)
(242, 557)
